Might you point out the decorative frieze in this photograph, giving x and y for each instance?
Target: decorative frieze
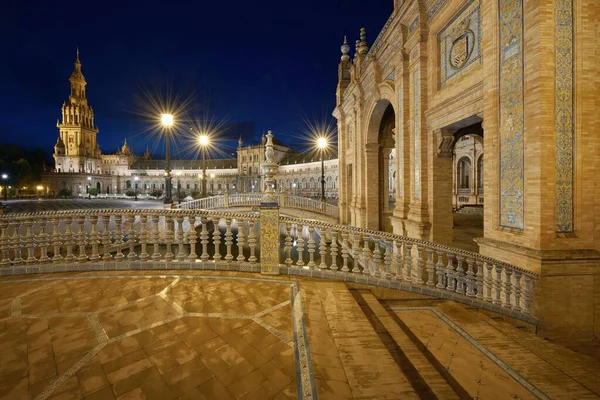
(413, 25)
(435, 8)
(417, 134)
(511, 109)
(400, 142)
(563, 114)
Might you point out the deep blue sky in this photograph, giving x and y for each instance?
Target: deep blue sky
(266, 64)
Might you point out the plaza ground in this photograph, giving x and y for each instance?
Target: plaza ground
(228, 335)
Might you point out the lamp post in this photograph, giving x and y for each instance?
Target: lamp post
(166, 121)
(322, 145)
(4, 183)
(178, 187)
(203, 141)
(89, 185)
(135, 188)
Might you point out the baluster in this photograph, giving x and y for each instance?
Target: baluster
(169, 238)
(460, 275)
(498, 285)
(180, 241)
(300, 245)
(488, 282)
(334, 250)
(252, 241)
(30, 241)
(119, 237)
(376, 256)
(430, 267)
(311, 247)
(228, 240)
(398, 260)
(507, 287)
(408, 261)
(419, 277)
(43, 242)
(387, 259)
(204, 239)
(288, 244)
(322, 248)
(93, 235)
(479, 279)
(345, 251)
(143, 238)
(105, 219)
(5, 246)
(81, 240)
(517, 290)
(354, 251)
(69, 239)
(470, 278)
(241, 238)
(366, 255)
(439, 269)
(527, 292)
(192, 237)
(216, 239)
(131, 238)
(154, 238)
(15, 243)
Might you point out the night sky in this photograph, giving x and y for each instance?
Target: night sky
(250, 65)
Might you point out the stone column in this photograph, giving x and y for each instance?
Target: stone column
(440, 187)
(371, 188)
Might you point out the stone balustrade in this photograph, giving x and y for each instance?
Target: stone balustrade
(255, 199)
(202, 239)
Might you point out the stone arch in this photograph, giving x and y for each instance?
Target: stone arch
(379, 144)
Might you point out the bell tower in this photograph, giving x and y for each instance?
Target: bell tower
(79, 151)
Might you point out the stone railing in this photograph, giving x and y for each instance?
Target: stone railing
(200, 239)
(254, 199)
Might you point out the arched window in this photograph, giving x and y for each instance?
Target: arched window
(480, 173)
(464, 173)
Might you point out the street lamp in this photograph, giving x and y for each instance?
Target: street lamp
(203, 141)
(4, 183)
(294, 187)
(322, 145)
(178, 187)
(135, 178)
(89, 185)
(166, 121)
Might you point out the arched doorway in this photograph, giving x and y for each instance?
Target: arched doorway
(467, 200)
(379, 167)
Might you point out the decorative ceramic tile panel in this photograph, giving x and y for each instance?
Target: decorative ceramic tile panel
(564, 115)
(417, 133)
(400, 140)
(460, 43)
(435, 8)
(511, 109)
(269, 240)
(414, 24)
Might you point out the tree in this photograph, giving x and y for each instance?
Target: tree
(94, 192)
(64, 193)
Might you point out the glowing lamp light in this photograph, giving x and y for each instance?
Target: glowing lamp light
(166, 120)
(4, 176)
(39, 187)
(322, 142)
(203, 140)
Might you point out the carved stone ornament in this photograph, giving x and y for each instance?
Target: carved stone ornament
(445, 141)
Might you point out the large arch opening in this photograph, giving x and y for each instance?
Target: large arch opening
(380, 154)
(467, 189)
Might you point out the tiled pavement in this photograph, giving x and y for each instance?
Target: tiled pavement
(226, 335)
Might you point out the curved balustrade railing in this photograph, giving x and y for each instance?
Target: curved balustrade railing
(254, 199)
(224, 240)
(429, 268)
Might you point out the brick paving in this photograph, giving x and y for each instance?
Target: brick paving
(227, 335)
